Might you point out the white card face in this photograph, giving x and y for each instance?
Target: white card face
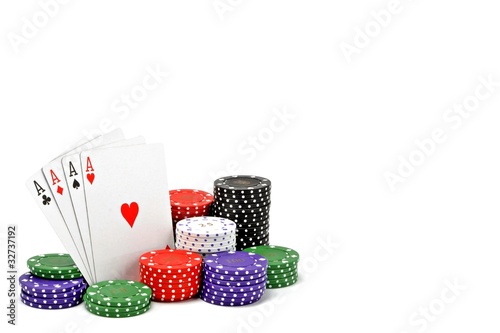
(128, 207)
(54, 175)
(75, 178)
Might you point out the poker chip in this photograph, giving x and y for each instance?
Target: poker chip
(248, 212)
(282, 267)
(207, 226)
(59, 300)
(263, 201)
(233, 298)
(243, 184)
(170, 261)
(234, 269)
(228, 302)
(275, 281)
(119, 293)
(186, 203)
(113, 309)
(34, 285)
(54, 266)
(51, 306)
(236, 263)
(42, 295)
(150, 273)
(229, 283)
(90, 308)
(241, 278)
(188, 198)
(172, 275)
(174, 297)
(204, 248)
(205, 241)
(250, 242)
(234, 289)
(246, 200)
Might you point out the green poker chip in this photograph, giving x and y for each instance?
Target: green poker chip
(56, 276)
(279, 276)
(54, 266)
(284, 270)
(119, 293)
(112, 309)
(280, 285)
(57, 264)
(273, 281)
(118, 314)
(277, 256)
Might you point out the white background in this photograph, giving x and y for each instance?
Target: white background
(349, 123)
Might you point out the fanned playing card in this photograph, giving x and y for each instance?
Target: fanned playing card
(128, 207)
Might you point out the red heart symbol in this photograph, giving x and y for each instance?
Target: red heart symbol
(90, 177)
(129, 212)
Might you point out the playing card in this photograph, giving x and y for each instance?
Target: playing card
(75, 178)
(128, 207)
(54, 175)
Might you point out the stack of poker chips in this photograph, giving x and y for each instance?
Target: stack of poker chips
(246, 200)
(173, 275)
(54, 282)
(206, 234)
(186, 203)
(233, 278)
(43, 293)
(118, 298)
(282, 269)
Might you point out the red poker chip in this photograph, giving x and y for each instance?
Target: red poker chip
(171, 261)
(168, 283)
(190, 198)
(173, 297)
(169, 292)
(154, 273)
(175, 290)
(190, 208)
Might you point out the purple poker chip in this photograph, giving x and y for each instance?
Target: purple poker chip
(210, 287)
(234, 278)
(59, 300)
(218, 294)
(70, 293)
(229, 301)
(238, 263)
(51, 306)
(229, 283)
(32, 283)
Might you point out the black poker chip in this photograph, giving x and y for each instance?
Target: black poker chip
(244, 218)
(260, 197)
(256, 212)
(247, 203)
(253, 235)
(246, 243)
(242, 206)
(254, 228)
(243, 183)
(252, 224)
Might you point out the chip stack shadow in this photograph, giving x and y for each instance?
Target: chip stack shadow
(246, 200)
